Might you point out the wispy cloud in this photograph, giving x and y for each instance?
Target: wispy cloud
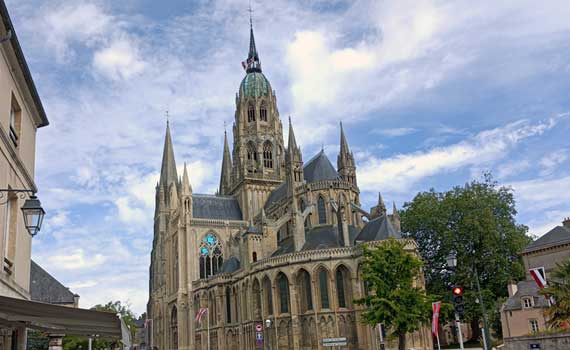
(400, 172)
(395, 132)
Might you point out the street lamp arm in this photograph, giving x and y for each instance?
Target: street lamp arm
(21, 193)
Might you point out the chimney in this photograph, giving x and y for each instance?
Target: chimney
(512, 287)
(566, 222)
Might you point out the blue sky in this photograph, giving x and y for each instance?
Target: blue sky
(431, 94)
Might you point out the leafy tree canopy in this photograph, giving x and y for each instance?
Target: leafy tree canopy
(558, 314)
(478, 222)
(393, 297)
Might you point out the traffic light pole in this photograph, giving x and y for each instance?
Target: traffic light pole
(459, 332)
(486, 335)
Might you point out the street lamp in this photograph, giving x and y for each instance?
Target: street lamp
(33, 215)
(452, 259)
(32, 209)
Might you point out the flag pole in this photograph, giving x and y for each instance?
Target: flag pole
(437, 337)
(208, 327)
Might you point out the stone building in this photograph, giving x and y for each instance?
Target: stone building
(21, 114)
(277, 245)
(522, 313)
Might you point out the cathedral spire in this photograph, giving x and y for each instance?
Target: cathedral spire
(225, 178)
(345, 160)
(292, 144)
(252, 62)
(186, 187)
(344, 151)
(168, 173)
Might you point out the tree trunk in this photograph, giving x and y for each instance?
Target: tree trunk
(402, 341)
(475, 330)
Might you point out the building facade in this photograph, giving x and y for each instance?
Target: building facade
(277, 246)
(523, 312)
(21, 114)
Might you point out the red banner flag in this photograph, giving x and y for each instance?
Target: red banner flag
(435, 319)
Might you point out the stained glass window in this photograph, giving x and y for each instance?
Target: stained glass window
(340, 288)
(324, 289)
(283, 293)
(211, 256)
(322, 211)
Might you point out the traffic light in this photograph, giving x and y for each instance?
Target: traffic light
(458, 300)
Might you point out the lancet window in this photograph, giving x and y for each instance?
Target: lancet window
(250, 113)
(268, 155)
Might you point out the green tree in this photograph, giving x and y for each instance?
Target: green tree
(393, 299)
(116, 307)
(558, 313)
(478, 222)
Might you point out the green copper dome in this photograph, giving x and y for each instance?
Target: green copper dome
(255, 84)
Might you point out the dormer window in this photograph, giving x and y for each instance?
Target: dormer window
(527, 302)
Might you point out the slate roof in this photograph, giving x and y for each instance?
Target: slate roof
(206, 206)
(320, 237)
(319, 168)
(46, 289)
(525, 288)
(557, 236)
(231, 265)
(378, 229)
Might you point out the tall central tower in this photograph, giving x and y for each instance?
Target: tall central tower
(257, 165)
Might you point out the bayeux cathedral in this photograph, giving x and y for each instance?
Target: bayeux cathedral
(272, 260)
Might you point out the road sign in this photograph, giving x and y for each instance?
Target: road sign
(258, 327)
(535, 346)
(335, 342)
(259, 336)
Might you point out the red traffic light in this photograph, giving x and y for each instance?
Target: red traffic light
(457, 291)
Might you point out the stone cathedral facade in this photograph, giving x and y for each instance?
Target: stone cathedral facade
(278, 242)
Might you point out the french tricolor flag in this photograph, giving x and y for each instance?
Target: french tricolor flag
(539, 276)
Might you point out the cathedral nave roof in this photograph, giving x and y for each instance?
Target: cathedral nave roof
(205, 206)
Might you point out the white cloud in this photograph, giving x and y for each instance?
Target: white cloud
(119, 60)
(395, 132)
(76, 260)
(402, 171)
(61, 24)
(511, 168)
(552, 161)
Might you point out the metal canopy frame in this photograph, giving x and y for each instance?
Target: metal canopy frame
(55, 319)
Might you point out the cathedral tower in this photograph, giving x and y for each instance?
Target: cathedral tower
(258, 150)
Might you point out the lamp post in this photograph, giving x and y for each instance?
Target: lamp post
(31, 210)
(452, 264)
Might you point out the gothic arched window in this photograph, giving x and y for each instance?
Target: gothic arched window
(305, 290)
(268, 295)
(324, 288)
(268, 154)
(211, 256)
(250, 113)
(283, 284)
(322, 211)
(263, 112)
(174, 328)
(251, 152)
(340, 293)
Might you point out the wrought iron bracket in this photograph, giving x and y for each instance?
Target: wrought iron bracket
(20, 193)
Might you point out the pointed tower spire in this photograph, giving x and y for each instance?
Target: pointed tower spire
(168, 170)
(186, 187)
(344, 151)
(253, 64)
(225, 178)
(379, 209)
(345, 160)
(292, 144)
